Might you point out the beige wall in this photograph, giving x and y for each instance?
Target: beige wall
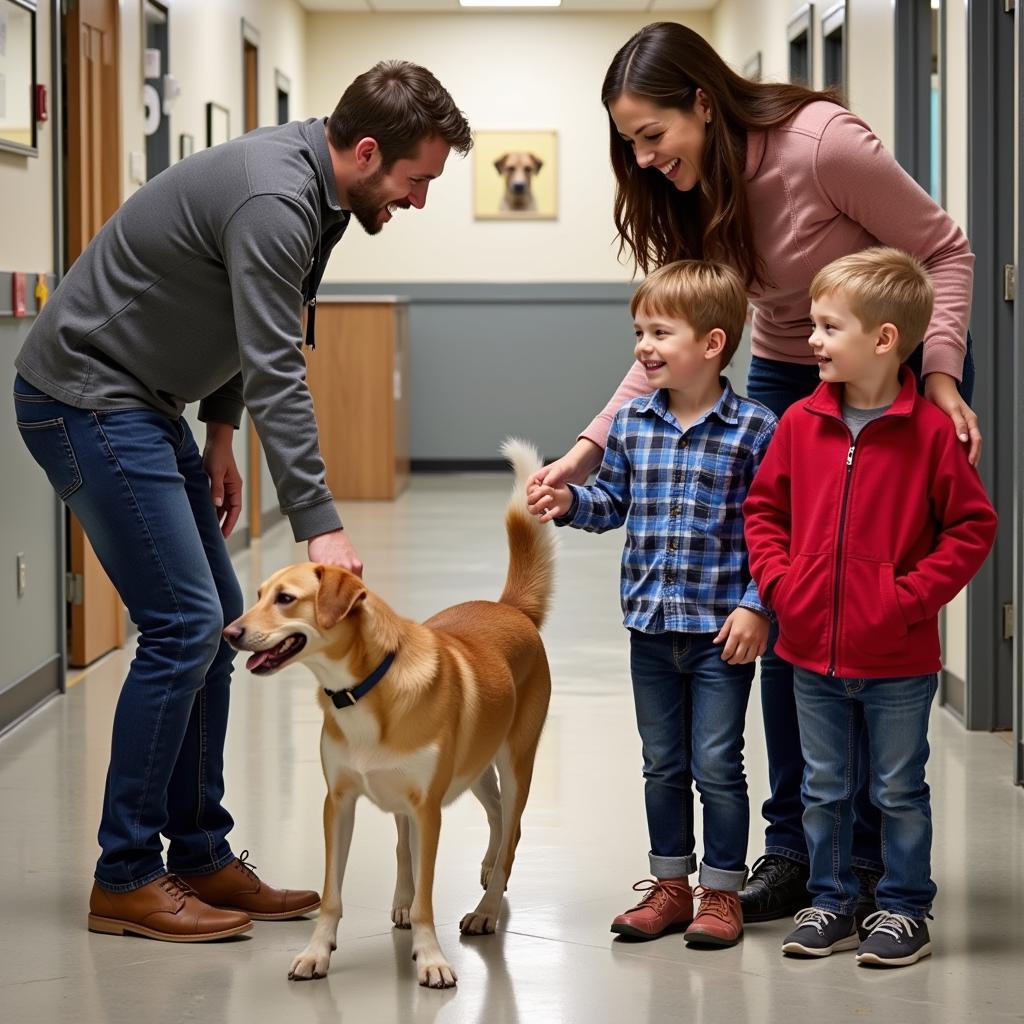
(26, 184)
(741, 27)
(523, 71)
(206, 58)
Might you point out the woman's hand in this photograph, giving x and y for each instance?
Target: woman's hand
(225, 480)
(572, 468)
(940, 388)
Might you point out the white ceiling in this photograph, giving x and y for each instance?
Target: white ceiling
(573, 6)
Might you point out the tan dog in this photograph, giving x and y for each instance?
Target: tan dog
(458, 696)
(518, 169)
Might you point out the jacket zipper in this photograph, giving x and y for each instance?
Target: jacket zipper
(839, 558)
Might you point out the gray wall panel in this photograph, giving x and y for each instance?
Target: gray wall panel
(491, 360)
(30, 518)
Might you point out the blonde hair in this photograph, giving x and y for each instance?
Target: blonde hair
(882, 286)
(704, 294)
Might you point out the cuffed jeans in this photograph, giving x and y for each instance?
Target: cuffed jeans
(836, 715)
(690, 710)
(135, 480)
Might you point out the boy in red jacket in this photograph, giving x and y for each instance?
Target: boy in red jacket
(864, 519)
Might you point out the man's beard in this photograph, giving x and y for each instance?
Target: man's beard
(367, 201)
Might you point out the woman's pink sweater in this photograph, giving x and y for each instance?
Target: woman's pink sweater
(822, 186)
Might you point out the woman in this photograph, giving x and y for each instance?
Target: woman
(776, 180)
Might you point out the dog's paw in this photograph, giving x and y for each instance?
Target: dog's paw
(310, 964)
(435, 973)
(400, 917)
(478, 923)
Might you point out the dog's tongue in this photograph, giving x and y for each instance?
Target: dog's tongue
(257, 659)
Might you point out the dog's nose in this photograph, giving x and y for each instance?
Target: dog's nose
(233, 633)
(519, 186)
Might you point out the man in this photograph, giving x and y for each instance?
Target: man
(194, 291)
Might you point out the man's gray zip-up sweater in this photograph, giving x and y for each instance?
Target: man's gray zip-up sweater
(193, 291)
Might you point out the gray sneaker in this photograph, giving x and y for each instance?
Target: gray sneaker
(895, 940)
(821, 933)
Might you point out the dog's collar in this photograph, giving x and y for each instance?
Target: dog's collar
(346, 698)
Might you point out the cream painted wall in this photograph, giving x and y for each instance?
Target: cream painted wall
(872, 68)
(523, 71)
(740, 27)
(206, 58)
(26, 183)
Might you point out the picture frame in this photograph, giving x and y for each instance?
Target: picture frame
(18, 70)
(752, 67)
(218, 124)
(186, 145)
(515, 175)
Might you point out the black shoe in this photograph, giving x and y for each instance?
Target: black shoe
(895, 940)
(777, 888)
(821, 933)
(868, 881)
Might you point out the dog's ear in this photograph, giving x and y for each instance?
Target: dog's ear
(499, 164)
(339, 592)
(537, 163)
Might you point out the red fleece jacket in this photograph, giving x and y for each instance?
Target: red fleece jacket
(856, 547)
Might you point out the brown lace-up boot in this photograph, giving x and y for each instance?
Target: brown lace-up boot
(165, 909)
(666, 907)
(237, 887)
(719, 920)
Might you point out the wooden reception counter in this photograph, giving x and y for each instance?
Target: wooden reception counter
(359, 378)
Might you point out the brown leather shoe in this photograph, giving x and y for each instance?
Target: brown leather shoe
(165, 909)
(667, 907)
(236, 887)
(719, 920)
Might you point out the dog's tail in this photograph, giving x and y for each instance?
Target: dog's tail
(531, 543)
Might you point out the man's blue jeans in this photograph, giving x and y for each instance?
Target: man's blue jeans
(690, 710)
(834, 715)
(135, 480)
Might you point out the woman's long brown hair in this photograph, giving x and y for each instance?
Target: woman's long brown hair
(667, 63)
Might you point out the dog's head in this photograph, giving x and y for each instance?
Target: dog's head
(299, 611)
(518, 169)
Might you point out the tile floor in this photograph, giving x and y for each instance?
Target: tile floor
(584, 843)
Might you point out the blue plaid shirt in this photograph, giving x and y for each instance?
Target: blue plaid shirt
(680, 494)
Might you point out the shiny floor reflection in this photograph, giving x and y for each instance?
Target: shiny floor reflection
(584, 843)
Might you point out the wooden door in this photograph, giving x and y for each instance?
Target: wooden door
(92, 55)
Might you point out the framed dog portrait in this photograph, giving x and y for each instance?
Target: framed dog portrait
(515, 175)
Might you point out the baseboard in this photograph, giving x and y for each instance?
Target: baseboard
(239, 540)
(22, 697)
(458, 466)
(953, 694)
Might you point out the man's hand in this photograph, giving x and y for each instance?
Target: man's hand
(225, 480)
(745, 636)
(940, 389)
(548, 502)
(334, 548)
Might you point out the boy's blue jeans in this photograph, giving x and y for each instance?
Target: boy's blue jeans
(834, 716)
(690, 710)
(135, 480)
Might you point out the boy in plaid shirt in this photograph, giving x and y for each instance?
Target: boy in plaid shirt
(676, 471)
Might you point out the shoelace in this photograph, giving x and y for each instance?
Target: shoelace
(769, 870)
(893, 925)
(658, 892)
(814, 917)
(715, 901)
(176, 886)
(249, 869)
